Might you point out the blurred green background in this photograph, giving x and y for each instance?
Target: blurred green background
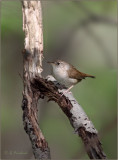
(82, 33)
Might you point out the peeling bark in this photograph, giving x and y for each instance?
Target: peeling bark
(78, 119)
(32, 26)
(36, 87)
(32, 62)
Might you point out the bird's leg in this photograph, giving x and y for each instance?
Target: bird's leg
(68, 90)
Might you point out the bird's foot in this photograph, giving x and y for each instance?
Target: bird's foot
(65, 93)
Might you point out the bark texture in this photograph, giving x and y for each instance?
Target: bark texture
(36, 87)
(67, 103)
(32, 61)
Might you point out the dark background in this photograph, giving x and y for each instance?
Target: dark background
(82, 33)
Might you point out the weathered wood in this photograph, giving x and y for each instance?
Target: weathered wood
(32, 62)
(87, 132)
(36, 87)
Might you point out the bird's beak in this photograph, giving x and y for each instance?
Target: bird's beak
(51, 62)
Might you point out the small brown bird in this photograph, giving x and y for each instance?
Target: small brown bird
(67, 74)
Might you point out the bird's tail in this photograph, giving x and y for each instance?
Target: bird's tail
(87, 75)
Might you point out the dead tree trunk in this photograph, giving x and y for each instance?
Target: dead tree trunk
(36, 87)
(32, 58)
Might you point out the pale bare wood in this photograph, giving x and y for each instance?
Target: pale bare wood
(76, 115)
(32, 62)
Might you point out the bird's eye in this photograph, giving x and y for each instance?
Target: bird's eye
(58, 63)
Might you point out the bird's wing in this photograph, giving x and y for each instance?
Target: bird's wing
(75, 74)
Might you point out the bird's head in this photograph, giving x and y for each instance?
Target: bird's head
(59, 64)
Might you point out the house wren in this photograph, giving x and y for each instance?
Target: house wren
(67, 74)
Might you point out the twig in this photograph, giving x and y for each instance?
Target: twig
(20, 76)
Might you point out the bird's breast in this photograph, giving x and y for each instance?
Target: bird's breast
(62, 77)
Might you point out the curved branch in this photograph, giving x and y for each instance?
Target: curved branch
(77, 117)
